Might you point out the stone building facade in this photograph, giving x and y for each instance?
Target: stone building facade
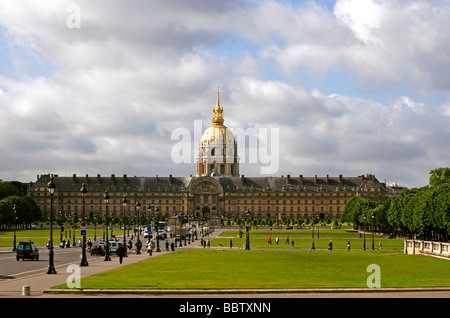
(216, 192)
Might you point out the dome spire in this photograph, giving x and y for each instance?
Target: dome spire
(218, 112)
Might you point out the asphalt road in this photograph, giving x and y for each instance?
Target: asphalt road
(11, 268)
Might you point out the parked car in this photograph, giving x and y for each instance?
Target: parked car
(97, 249)
(27, 250)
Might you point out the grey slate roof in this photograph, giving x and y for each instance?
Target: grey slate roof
(170, 184)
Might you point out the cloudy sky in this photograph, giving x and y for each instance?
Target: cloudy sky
(353, 86)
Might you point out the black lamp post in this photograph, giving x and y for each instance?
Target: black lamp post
(106, 198)
(158, 249)
(373, 231)
(14, 243)
(138, 207)
(51, 189)
(364, 231)
(318, 226)
(247, 230)
(84, 261)
(124, 203)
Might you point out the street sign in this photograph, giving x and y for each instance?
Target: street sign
(83, 232)
(149, 229)
(83, 225)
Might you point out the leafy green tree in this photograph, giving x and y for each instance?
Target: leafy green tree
(7, 189)
(439, 176)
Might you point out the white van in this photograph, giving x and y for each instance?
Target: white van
(113, 246)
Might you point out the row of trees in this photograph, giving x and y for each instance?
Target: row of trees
(26, 210)
(422, 213)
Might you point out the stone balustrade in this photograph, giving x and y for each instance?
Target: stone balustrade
(427, 247)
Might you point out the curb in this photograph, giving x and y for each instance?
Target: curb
(169, 292)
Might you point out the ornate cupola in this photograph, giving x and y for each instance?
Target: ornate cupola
(217, 154)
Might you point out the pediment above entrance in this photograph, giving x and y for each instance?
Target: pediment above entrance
(205, 185)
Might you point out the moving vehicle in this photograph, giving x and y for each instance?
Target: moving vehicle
(97, 249)
(113, 246)
(27, 250)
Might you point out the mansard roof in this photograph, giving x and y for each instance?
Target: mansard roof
(229, 184)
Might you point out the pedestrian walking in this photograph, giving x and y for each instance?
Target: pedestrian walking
(277, 240)
(231, 243)
(269, 241)
(172, 246)
(330, 245)
(167, 245)
(121, 252)
(292, 242)
(287, 240)
(313, 247)
(380, 246)
(150, 248)
(348, 246)
(208, 243)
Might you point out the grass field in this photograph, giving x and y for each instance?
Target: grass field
(222, 269)
(303, 239)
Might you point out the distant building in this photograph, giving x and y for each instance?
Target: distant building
(394, 189)
(216, 192)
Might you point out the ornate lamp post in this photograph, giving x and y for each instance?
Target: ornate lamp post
(14, 243)
(247, 230)
(84, 261)
(158, 249)
(364, 231)
(138, 207)
(318, 226)
(106, 198)
(51, 189)
(124, 203)
(373, 231)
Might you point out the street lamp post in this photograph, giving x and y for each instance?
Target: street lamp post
(14, 243)
(138, 207)
(158, 249)
(51, 189)
(364, 231)
(373, 231)
(247, 231)
(124, 203)
(84, 261)
(106, 198)
(318, 226)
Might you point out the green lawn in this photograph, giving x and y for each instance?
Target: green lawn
(221, 269)
(303, 239)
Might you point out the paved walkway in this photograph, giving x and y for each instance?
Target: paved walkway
(39, 283)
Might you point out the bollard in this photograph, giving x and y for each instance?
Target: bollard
(26, 290)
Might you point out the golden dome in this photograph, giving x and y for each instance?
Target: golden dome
(217, 134)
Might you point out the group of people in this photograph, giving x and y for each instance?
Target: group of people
(122, 250)
(277, 240)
